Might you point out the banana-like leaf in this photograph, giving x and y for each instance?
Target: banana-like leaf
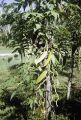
(49, 59)
(53, 59)
(41, 57)
(41, 77)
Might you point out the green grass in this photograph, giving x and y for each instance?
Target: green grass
(4, 64)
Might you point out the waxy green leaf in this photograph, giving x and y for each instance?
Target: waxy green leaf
(41, 77)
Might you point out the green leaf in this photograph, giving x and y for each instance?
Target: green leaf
(55, 14)
(38, 26)
(13, 94)
(41, 57)
(55, 97)
(40, 34)
(41, 77)
(49, 59)
(40, 69)
(31, 103)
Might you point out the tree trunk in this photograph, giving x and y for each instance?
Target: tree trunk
(22, 58)
(69, 90)
(22, 55)
(70, 77)
(48, 99)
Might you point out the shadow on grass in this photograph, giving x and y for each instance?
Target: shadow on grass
(16, 66)
(70, 108)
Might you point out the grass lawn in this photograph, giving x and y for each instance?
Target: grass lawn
(4, 61)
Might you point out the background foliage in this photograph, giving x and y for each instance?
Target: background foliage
(45, 84)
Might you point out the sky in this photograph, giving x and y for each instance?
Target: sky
(9, 1)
